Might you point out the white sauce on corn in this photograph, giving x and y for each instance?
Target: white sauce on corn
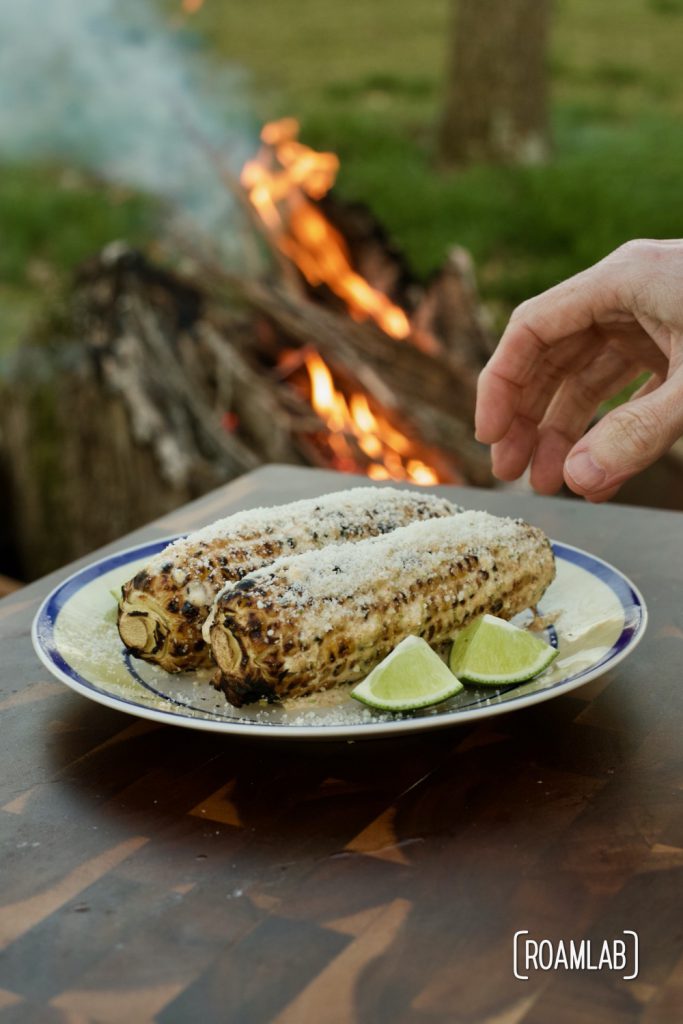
(198, 593)
(352, 572)
(361, 510)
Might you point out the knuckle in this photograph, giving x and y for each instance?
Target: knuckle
(637, 429)
(521, 311)
(637, 271)
(641, 250)
(634, 248)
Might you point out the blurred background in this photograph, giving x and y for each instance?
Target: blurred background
(534, 137)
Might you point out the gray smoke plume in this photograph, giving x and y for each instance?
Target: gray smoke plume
(108, 86)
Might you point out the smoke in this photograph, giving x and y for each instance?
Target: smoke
(108, 86)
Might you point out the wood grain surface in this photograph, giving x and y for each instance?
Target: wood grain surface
(159, 873)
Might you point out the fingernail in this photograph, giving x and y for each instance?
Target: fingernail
(585, 472)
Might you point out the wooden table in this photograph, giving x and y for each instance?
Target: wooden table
(158, 872)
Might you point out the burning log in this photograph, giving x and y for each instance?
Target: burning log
(434, 394)
(150, 388)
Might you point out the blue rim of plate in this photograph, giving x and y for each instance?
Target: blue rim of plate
(44, 643)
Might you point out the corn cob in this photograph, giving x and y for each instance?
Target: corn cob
(316, 620)
(163, 608)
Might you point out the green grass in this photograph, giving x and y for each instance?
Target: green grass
(366, 80)
(55, 217)
(51, 220)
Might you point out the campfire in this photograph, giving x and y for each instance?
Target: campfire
(285, 182)
(281, 182)
(333, 356)
(390, 453)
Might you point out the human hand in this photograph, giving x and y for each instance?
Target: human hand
(566, 351)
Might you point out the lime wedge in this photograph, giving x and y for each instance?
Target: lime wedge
(412, 676)
(493, 652)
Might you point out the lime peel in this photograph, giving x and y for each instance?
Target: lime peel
(494, 652)
(413, 676)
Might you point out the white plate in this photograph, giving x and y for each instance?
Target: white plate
(598, 618)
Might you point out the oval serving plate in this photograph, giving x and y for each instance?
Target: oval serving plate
(595, 616)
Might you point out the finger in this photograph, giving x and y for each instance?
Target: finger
(498, 399)
(600, 496)
(512, 453)
(517, 379)
(627, 440)
(565, 311)
(524, 379)
(570, 413)
(510, 457)
(609, 365)
(595, 372)
(651, 384)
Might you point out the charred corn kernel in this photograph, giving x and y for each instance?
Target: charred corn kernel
(163, 608)
(310, 622)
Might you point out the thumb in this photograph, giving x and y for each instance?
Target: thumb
(626, 441)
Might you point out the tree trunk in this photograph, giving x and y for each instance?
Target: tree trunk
(496, 107)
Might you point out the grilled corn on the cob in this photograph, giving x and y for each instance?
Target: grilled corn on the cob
(310, 622)
(162, 609)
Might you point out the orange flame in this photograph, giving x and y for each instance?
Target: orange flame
(386, 447)
(192, 6)
(280, 181)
